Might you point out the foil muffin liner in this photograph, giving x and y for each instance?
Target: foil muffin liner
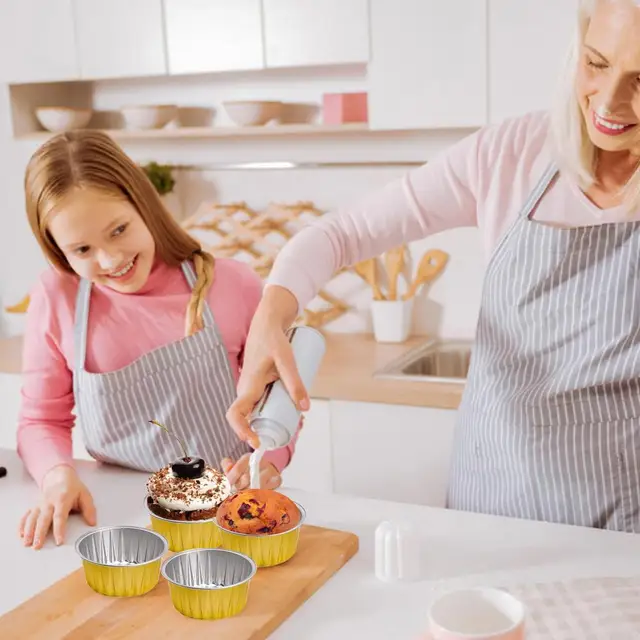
(209, 584)
(121, 561)
(266, 550)
(185, 534)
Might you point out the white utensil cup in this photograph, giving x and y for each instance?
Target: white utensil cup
(392, 319)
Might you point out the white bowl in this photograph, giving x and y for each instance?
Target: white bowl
(249, 113)
(153, 116)
(58, 119)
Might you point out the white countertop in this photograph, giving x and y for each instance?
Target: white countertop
(458, 548)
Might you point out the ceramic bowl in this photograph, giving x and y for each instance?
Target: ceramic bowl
(148, 116)
(59, 119)
(251, 113)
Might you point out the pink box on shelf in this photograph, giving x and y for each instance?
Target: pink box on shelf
(339, 108)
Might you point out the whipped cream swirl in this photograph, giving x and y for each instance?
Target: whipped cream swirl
(188, 494)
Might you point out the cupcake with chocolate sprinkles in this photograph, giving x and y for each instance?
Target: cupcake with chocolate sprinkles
(176, 497)
(183, 498)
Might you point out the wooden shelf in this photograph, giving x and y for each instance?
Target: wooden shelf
(220, 132)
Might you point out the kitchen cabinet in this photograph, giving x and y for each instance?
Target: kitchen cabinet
(10, 401)
(214, 35)
(119, 38)
(38, 41)
(311, 468)
(391, 452)
(428, 64)
(308, 32)
(10, 384)
(527, 48)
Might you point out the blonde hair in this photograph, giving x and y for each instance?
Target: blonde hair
(91, 159)
(575, 152)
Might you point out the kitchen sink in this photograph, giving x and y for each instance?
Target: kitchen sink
(433, 361)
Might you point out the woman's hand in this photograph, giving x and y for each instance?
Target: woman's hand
(62, 493)
(267, 357)
(238, 473)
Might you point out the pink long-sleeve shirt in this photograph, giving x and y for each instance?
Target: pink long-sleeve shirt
(122, 327)
(481, 181)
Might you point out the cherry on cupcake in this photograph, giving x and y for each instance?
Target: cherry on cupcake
(187, 467)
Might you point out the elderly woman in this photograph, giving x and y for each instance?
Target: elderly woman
(549, 425)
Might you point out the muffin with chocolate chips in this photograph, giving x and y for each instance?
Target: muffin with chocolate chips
(258, 511)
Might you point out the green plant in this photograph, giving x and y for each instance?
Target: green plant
(161, 175)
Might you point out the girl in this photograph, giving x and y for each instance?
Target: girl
(133, 322)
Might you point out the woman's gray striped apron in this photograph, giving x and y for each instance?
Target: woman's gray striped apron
(549, 423)
(186, 385)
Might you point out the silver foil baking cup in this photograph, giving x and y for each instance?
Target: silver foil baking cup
(121, 546)
(208, 569)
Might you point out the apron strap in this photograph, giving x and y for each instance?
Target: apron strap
(81, 323)
(539, 190)
(191, 277)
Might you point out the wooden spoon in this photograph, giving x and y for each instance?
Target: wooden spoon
(394, 263)
(367, 270)
(431, 264)
(20, 307)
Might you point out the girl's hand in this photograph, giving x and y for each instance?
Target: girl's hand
(238, 473)
(62, 493)
(267, 357)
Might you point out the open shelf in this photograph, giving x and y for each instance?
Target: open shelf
(170, 133)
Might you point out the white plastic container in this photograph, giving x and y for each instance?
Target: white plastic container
(397, 552)
(392, 319)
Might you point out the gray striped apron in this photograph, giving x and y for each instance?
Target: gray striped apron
(186, 385)
(548, 427)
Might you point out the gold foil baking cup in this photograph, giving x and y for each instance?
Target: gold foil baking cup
(185, 534)
(266, 550)
(121, 561)
(209, 584)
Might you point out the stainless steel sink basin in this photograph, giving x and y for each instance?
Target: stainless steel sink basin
(433, 361)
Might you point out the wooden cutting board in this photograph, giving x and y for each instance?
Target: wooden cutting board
(69, 609)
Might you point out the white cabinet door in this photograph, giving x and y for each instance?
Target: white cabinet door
(10, 401)
(214, 35)
(428, 64)
(311, 466)
(38, 41)
(392, 452)
(120, 38)
(308, 32)
(527, 48)
(10, 384)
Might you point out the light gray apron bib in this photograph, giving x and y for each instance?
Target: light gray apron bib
(186, 385)
(548, 427)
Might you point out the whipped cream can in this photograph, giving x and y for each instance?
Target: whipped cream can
(275, 418)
